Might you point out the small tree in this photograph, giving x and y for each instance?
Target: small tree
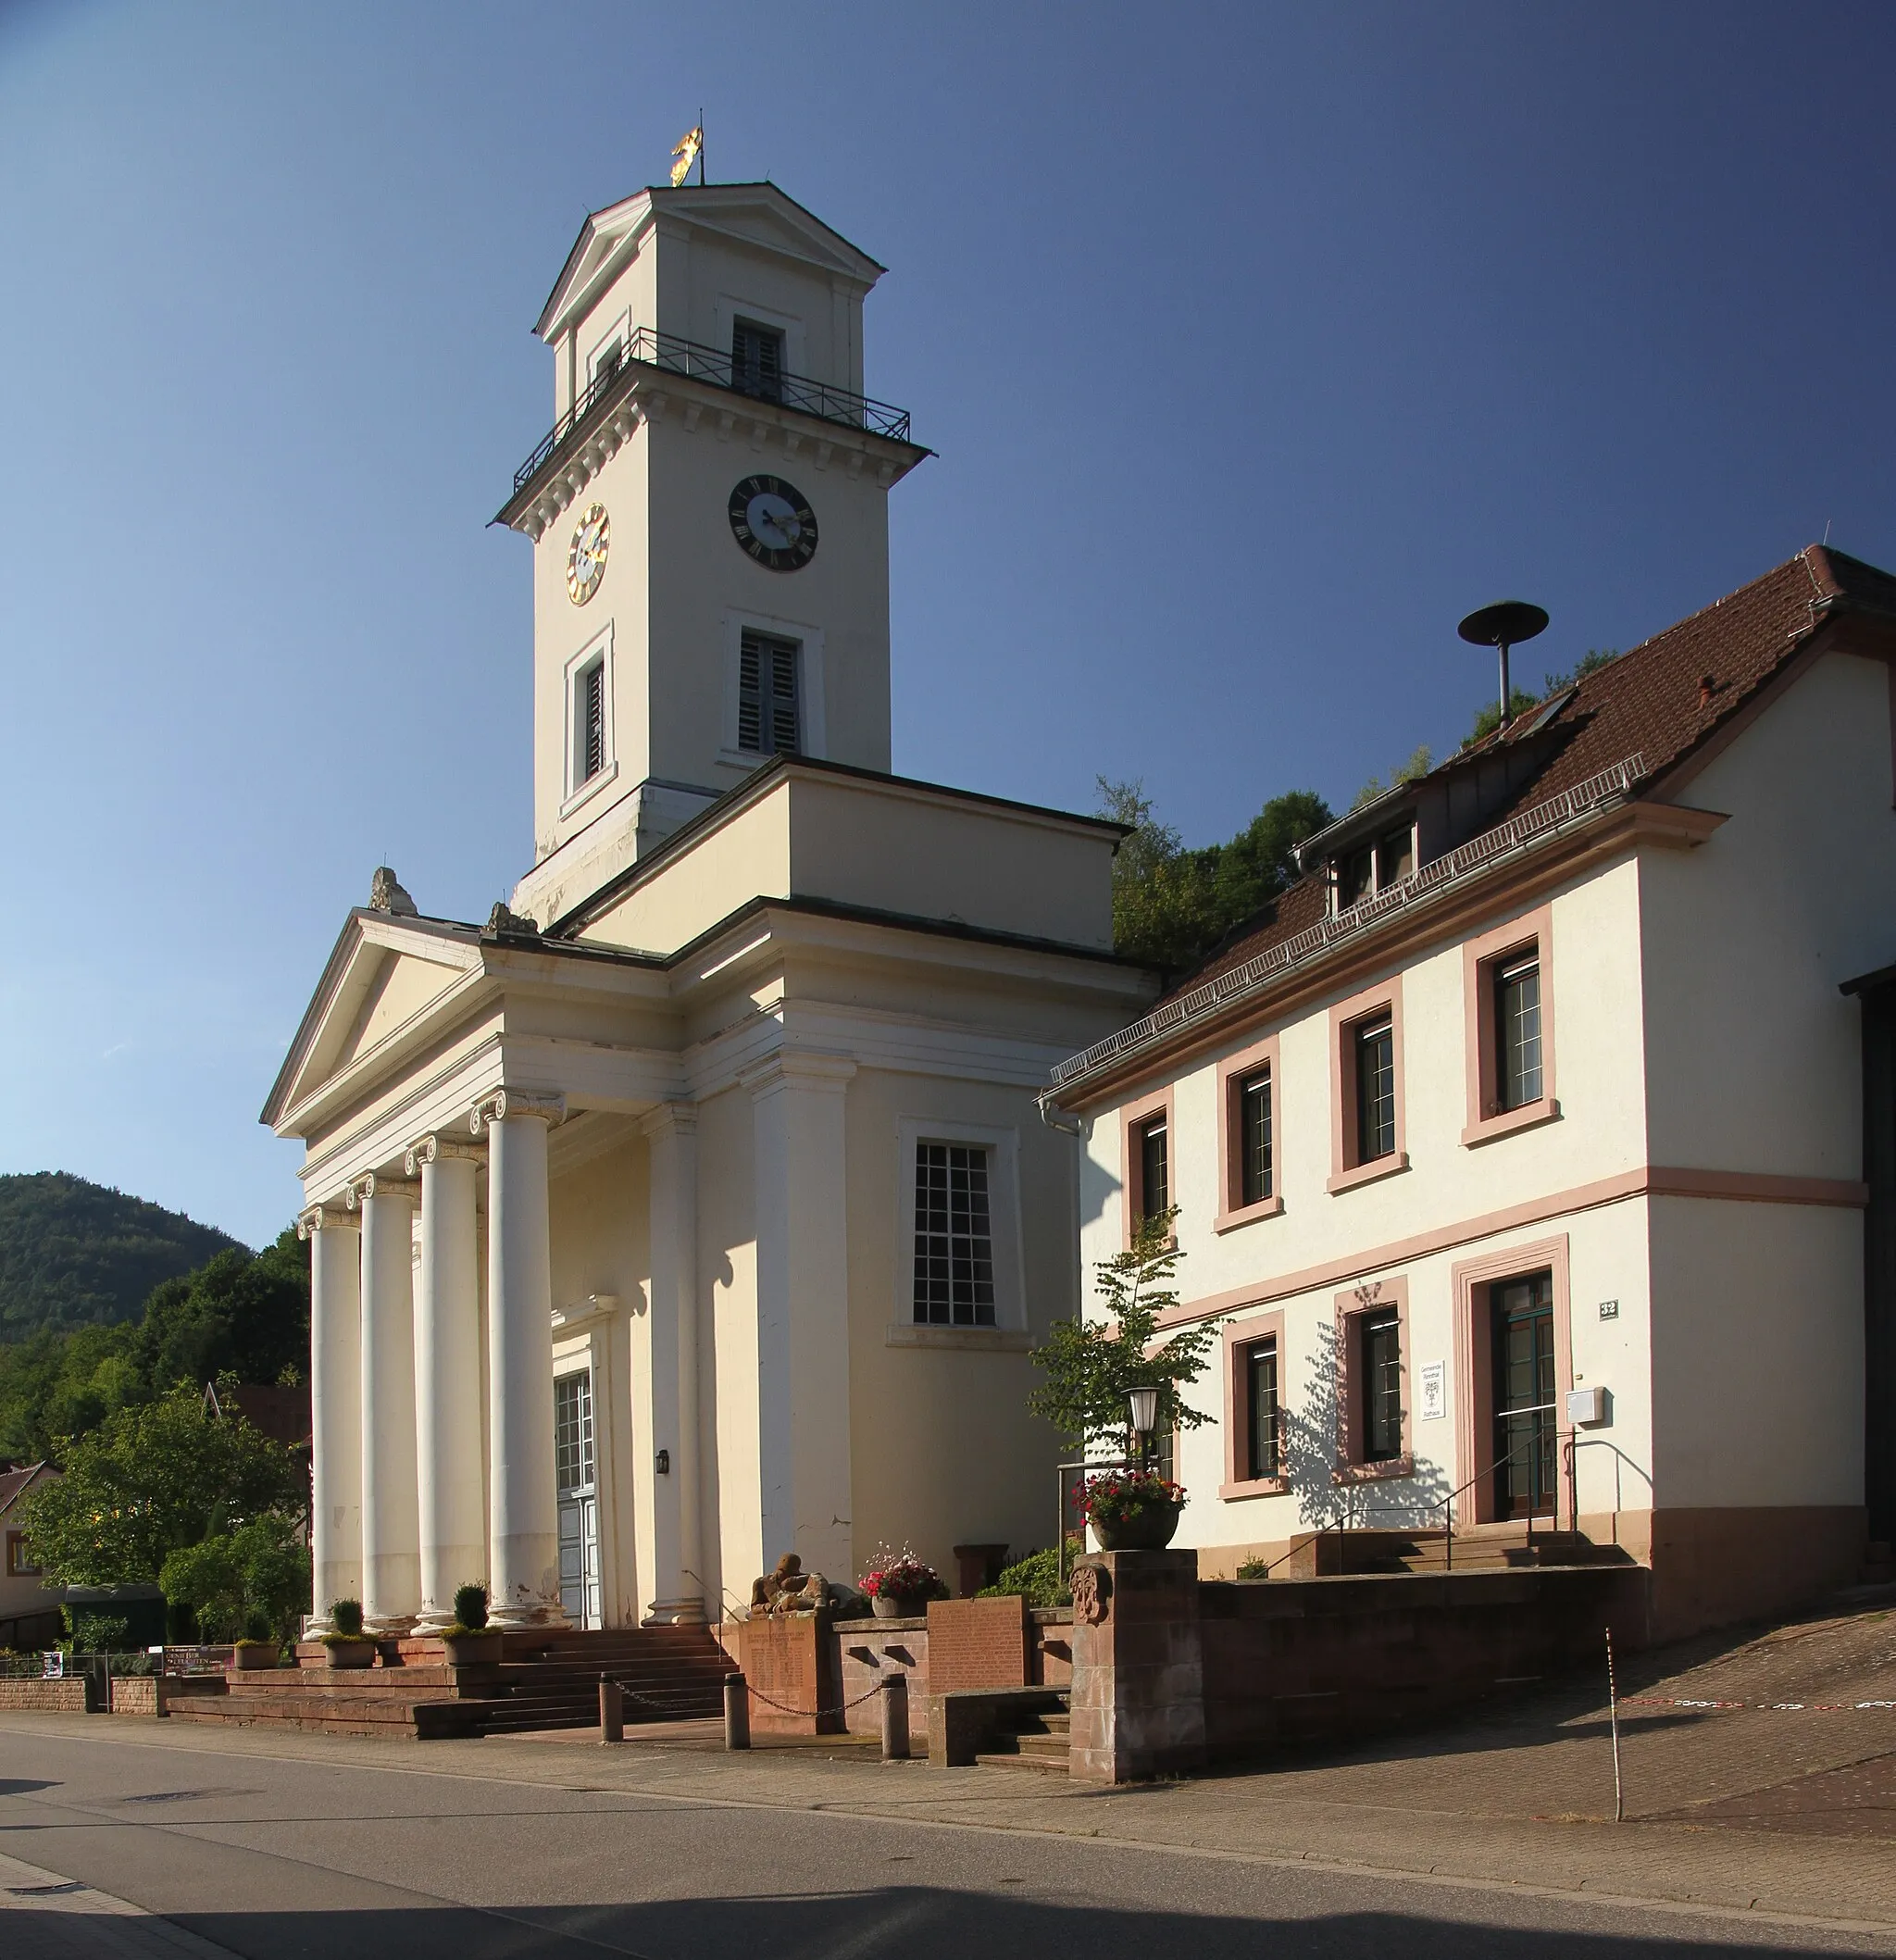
(237, 1581)
(1090, 1366)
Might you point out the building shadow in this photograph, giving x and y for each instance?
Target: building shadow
(929, 1923)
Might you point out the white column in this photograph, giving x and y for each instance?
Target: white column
(523, 1541)
(803, 1309)
(391, 1528)
(335, 1408)
(665, 1376)
(451, 1511)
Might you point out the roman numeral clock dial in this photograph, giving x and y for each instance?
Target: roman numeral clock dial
(773, 521)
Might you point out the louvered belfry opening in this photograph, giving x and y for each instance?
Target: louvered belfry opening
(593, 722)
(767, 718)
(757, 360)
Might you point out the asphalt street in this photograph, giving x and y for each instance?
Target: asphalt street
(273, 1857)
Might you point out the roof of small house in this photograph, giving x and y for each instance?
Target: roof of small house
(12, 1483)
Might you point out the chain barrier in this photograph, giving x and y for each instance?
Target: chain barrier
(1676, 1700)
(811, 1714)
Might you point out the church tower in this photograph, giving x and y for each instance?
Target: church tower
(708, 519)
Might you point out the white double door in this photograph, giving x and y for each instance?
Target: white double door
(580, 1592)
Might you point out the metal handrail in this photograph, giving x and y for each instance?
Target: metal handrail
(666, 354)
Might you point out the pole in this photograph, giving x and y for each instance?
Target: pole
(737, 1713)
(612, 1711)
(1506, 712)
(895, 1718)
(701, 146)
(1612, 1713)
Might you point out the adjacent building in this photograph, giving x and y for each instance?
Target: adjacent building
(1537, 1158)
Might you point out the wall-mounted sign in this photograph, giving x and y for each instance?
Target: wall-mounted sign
(1609, 1309)
(1434, 1377)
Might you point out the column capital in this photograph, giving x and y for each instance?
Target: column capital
(669, 1119)
(805, 1068)
(506, 1103)
(328, 1215)
(432, 1149)
(377, 1184)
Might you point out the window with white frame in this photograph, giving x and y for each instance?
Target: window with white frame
(768, 718)
(954, 1236)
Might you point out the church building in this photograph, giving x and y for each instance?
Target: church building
(695, 1208)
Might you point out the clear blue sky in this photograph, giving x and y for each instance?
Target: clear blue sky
(1258, 342)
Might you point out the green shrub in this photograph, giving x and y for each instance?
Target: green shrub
(1036, 1578)
(347, 1616)
(1253, 1568)
(470, 1607)
(100, 1632)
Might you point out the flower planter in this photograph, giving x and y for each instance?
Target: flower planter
(248, 1659)
(471, 1650)
(351, 1653)
(1139, 1528)
(895, 1606)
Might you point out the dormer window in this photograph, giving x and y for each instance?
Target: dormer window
(1374, 866)
(757, 360)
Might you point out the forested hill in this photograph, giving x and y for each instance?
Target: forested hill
(74, 1254)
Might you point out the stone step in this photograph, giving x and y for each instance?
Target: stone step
(1047, 1766)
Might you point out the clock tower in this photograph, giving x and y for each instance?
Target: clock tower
(709, 523)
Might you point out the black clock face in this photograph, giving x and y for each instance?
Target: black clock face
(773, 521)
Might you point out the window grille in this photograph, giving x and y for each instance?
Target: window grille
(757, 360)
(592, 722)
(1155, 1169)
(1254, 1138)
(769, 722)
(1517, 1032)
(1376, 1091)
(1263, 1439)
(1382, 1387)
(572, 1430)
(953, 1237)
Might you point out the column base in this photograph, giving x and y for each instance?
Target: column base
(434, 1619)
(520, 1618)
(675, 1613)
(388, 1626)
(315, 1625)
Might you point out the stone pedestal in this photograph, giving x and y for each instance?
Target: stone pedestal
(1138, 1691)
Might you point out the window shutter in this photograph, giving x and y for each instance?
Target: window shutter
(783, 702)
(750, 711)
(594, 720)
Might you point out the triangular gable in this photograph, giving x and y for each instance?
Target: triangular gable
(760, 214)
(384, 974)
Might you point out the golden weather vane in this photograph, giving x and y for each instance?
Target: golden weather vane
(688, 150)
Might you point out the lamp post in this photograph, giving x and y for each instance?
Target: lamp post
(1144, 1405)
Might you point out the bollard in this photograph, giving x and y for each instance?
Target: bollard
(737, 1713)
(895, 1718)
(612, 1711)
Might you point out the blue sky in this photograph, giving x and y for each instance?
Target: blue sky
(1258, 344)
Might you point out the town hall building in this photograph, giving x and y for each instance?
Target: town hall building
(695, 1208)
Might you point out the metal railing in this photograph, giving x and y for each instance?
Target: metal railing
(1584, 800)
(656, 352)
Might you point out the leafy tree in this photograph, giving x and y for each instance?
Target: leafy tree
(1089, 1367)
(247, 1317)
(234, 1581)
(1520, 701)
(150, 1480)
(1418, 766)
(1171, 907)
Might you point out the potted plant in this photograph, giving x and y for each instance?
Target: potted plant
(899, 1585)
(257, 1648)
(1132, 1510)
(349, 1646)
(470, 1641)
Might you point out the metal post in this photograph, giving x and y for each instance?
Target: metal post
(612, 1711)
(1506, 710)
(1613, 1715)
(737, 1711)
(895, 1718)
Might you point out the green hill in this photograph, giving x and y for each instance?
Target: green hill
(74, 1254)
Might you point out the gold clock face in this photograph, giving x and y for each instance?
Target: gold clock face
(586, 559)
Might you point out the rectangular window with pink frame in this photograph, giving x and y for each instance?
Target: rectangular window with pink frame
(1510, 1029)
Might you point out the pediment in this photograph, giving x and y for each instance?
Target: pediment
(384, 976)
(758, 214)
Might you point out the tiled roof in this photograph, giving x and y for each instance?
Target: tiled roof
(1651, 702)
(12, 1482)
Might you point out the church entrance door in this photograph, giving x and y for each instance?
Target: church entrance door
(578, 1499)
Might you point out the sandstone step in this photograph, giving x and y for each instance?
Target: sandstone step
(1047, 1766)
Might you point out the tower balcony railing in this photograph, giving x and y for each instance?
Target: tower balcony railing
(666, 353)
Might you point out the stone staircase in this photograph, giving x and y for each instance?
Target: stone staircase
(1031, 1739)
(1475, 1548)
(542, 1680)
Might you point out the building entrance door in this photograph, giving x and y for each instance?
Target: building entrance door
(578, 1499)
(1525, 1427)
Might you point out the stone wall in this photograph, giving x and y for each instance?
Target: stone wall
(64, 1697)
(1138, 1692)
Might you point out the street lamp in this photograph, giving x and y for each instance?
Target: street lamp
(1144, 1404)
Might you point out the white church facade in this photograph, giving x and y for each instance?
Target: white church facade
(696, 1208)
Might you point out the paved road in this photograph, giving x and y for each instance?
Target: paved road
(337, 1858)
